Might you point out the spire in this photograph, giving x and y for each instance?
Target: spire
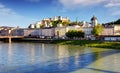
(93, 18)
(94, 21)
(76, 20)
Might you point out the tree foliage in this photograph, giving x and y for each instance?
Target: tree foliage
(75, 23)
(75, 34)
(54, 23)
(41, 26)
(114, 22)
(65, 23)
(117, 22)
(97, 30)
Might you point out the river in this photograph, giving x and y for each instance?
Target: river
(51, 58)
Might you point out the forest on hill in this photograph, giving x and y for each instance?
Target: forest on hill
(117, 22)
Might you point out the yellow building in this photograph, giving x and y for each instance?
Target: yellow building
(116, 29)
(60, 32)
(76, 27)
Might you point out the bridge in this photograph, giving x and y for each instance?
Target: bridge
(3, 37)
(9, 38)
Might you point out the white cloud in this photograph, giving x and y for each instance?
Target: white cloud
(117, 12)
(112, 3)
(6, 11)
(78, 3)
(1, 6)
(113, 6)
(8, 17)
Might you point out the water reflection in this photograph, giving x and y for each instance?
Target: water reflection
(10, 53)
(32, 54)
(49, 58)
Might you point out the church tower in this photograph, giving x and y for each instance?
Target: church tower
(94, 21)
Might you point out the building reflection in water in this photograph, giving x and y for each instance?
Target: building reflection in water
(32, 53)
(77, 58)
(62, 53)
(37, 53)
(44, 54)
(43, 49)
(10, 52)
(66, 58)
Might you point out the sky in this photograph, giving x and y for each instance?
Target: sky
(24, 12)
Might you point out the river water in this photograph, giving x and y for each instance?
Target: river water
(51, 58)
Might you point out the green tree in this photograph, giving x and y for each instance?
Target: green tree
(97, 30)
(75, 34)
(65, 23)
(80, 34)
(74, 23)
(41, 26)
(54, 23)
(117, 22)
(69, 34)
(114, 22)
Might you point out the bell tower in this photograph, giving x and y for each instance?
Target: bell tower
(94, 21)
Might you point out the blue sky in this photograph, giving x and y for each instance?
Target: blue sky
(23, 12)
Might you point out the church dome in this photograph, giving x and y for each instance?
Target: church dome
(93, 18)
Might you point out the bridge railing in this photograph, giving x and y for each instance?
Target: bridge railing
(11, 36)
